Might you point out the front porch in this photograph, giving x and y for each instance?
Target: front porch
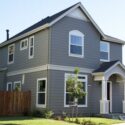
(111, 75)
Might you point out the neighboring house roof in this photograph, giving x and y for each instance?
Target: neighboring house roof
(105, 66)
(50, 20)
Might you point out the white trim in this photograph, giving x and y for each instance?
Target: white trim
(86, 89)
(16, 83)
(108, 45)
(24, 35)
(31, 56)
(9, 54)
(8, 84)
(28, 70)
(41, 105)
(23, 78)
(79, 34)
(46, 67)
(110, 97)
(25, 47)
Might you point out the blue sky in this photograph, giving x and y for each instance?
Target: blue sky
(17, 15)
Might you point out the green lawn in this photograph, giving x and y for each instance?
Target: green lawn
(40, 121)
(102, 121)
(30, 121)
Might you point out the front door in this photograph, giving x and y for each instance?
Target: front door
(109, 95)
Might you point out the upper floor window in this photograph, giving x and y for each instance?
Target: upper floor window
(31, 47)
(104, 51)
(23, 44)
(76, 43)
(11, 50)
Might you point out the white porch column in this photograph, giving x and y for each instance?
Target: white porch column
(104, 103)
(124, 99)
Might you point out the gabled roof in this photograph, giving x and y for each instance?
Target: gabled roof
(105, 66)
(50, 20)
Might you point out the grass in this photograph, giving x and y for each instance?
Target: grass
(102, 121)
(39, 121)
(30, 121)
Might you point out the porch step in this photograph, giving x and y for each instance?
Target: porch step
(113, 116)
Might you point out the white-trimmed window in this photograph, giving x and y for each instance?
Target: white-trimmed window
(67, 98)
(41, 92)
(17, 85)
(9, 86)
(104, 51)
(24, 44)
(76, 44)
(31, 47)
(11, 51)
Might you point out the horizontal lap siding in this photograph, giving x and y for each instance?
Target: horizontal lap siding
(56, 93)
(29, 84)
(21, 58)
(59, 45)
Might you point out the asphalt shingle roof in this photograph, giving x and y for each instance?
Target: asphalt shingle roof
(43, 21)
(105, 66)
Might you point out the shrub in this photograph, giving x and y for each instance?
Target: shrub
(77, 121)
(47, 113)
(87, 122)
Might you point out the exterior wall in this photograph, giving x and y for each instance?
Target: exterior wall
(60, 44)
(21, 59)
(56, 93)
(2, 80)
(117, 95)
(30, 83)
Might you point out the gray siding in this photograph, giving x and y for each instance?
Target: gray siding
(21, 59)
(60, 44)
(29, 84)
(56, 94)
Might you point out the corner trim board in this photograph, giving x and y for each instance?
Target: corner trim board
(46, 67)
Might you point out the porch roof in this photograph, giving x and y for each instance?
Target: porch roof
(105, 66)
(107, 69)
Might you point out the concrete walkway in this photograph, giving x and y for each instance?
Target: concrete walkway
(119, 124)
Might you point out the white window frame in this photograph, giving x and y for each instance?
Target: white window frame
(79, 34)
(30, 57)
(16, 83)
(105, 60)
(13, 53)
(9, 83)
(86, 89)
(41, 105)
(25, 47)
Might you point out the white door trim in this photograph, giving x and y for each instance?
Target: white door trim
(110, 97)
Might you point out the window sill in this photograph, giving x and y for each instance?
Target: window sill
(75, 55)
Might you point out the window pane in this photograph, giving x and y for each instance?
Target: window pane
(104, 47)
(76, 40)
(11, 49)
(11, 58)
(17, 86)
(31, 42)
(41, 86)
(104, 55)
(9, 87)
(76, 49)
(81, 101)
(69, 99)
(41, 98)
(31, 51)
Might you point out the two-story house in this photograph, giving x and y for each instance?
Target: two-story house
(41, 58)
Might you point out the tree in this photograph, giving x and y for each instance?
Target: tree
(75, 89)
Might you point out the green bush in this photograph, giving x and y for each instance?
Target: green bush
(46, 113)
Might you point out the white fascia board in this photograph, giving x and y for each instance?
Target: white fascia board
(24, 35)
